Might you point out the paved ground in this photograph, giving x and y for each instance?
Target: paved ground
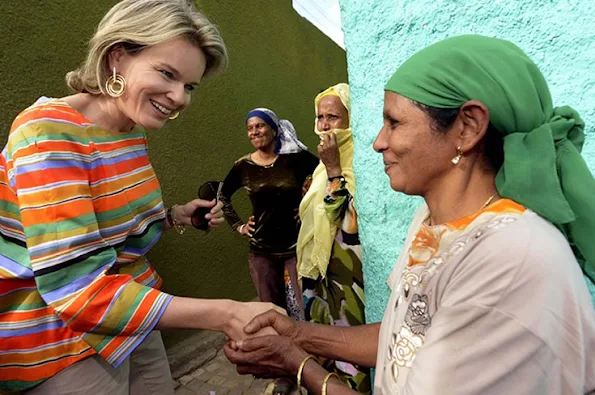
(219, 377)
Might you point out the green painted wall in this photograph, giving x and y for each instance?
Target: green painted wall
(278, 60)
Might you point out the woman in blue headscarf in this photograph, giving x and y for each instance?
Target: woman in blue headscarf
(273, 175)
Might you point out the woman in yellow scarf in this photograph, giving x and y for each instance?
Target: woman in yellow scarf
(328, 249)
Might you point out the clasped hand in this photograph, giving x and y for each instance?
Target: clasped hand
(267, 355)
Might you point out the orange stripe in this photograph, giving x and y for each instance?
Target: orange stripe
(49, 110)
(114, 202)
(24, 315)
(67, 210)
(134, 323)
(43, 371)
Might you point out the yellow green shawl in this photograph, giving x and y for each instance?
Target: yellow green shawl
(317, 233)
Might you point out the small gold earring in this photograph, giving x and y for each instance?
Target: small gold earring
(174, 115)
(457, 159)
(115, 85)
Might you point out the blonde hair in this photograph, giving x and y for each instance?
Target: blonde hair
(138, 24)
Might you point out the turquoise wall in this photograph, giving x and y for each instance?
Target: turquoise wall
(381, 34)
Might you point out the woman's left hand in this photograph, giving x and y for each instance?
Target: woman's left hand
(266, 356)
(328, 151)
(183, 213)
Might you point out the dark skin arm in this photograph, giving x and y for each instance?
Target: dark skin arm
(281, 356)
(278, 356)
(354, 344)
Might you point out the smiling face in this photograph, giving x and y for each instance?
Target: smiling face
(261, 135)
(332, 114)
(159, 80)
(416, 157)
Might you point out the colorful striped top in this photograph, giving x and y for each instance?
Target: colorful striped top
(80, 207)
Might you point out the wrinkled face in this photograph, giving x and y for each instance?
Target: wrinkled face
(261, 135)
(332, 114)
(159, 81)
(416, 158)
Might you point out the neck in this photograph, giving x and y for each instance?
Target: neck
(267, 153)
(458, 198)
(101, 110)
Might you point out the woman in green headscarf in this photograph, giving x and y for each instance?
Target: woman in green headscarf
(488, 296)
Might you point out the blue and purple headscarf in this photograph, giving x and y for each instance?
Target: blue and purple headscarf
(287, 140)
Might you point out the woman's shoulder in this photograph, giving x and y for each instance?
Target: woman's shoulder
(47, 119)
(516, 256)
(49, 110)
(243, 160)
(527, 235)
(519, 240)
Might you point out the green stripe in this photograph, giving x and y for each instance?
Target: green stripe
(18, 385)
(25, 306)
(123, 321)
(52, 281)
(133, 206)
(70, 224)
(151, 233)
(10, 207)
(54, 131)
(16, 253)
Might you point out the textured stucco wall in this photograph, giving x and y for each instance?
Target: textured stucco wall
(278, 60)
(381, 34)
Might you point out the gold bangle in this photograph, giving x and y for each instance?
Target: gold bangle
(178, 227)
(301, 370)
(326, 379)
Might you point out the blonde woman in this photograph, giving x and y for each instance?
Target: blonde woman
(80, 206)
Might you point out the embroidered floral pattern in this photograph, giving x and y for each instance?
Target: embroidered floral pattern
(425, 246)
(403, 349)
(432, 248)
(418, 314)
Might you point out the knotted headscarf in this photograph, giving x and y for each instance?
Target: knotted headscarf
(317, 232)
(543, 168)
(287, 141)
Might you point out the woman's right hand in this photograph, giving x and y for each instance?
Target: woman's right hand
(281, 323)
(248, 228)
(273, 321)
(266, 356)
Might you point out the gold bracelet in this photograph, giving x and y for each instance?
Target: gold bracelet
(326, 379)
(178, 227)
(301, 369)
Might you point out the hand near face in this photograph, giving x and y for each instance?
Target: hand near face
(183, 213)
(266, 356)
(328, 151)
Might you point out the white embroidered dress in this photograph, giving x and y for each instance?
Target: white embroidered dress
(493, 303)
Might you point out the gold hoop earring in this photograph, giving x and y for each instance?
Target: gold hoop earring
(174, 115)
(457, 159)
(115, 85)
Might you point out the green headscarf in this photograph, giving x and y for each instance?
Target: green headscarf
(543, 168)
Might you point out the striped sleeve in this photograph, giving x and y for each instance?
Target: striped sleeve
(69, 256)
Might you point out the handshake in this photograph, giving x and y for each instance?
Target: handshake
(268, 346)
